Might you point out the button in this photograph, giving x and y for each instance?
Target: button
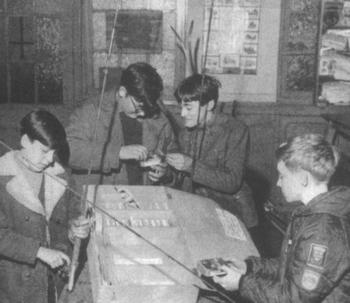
(26, 274)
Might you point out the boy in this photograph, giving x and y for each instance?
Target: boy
(35, 209)
(129, 129)
(214, 149)
(314, 265)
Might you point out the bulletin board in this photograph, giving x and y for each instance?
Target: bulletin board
(233, 46)
(138, 30)
(243, 46)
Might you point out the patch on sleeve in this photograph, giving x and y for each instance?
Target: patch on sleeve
(317, 255)
(310, 279)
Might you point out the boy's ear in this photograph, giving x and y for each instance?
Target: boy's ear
(25, 141)
(211, 105)
(122, 92)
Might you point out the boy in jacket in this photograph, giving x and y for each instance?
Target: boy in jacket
(213, 149)
(314, 265)
(35, 211)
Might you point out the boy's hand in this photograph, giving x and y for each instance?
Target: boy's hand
(157, 172)
(133, 152)
(230, 281)
(53, 258)
(79, 228)
(179, 161)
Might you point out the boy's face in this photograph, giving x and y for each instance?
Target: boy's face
(290, 183)
(190, 111)
(130, 106)
(39, 156)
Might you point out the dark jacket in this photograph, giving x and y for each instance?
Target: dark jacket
(157, 135)
(314, 265)
(23, 229)
(219, 169)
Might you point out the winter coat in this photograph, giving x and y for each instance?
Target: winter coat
(157, 136)
(26, 225)
(219, 169)
(314, 265)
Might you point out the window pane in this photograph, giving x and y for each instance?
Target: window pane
(3, 88)
(49, 60)
(22, 82)
(20, 7)
(3, 73)
(21, 38)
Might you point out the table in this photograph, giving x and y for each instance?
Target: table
(124, 268)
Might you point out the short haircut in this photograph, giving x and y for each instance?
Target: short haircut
(198, 87)
(142, 82)
(312, 153)
(44, 127)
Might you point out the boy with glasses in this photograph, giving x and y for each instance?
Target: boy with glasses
(130, 129)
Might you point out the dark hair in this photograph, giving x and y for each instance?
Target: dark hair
(143, 82)
(198, 87)
(312, 153)
(44, 127)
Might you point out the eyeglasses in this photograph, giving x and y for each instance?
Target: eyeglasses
(138, 106)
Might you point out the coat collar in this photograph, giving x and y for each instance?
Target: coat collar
(19, 188)
(334, 202)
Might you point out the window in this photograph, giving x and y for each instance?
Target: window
(30, 58)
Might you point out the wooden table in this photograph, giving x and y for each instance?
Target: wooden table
(124, 268)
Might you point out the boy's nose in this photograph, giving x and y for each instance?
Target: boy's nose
(49, 157)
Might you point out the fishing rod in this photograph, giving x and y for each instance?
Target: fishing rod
(92, 204)
(194, 273)
(89, 211)
(196, 155)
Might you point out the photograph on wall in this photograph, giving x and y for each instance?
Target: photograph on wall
(250, 49)
(251, 37)
(213, 62)
(253, 12)
(249, 65)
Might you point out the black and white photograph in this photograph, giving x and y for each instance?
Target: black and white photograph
(174, 151)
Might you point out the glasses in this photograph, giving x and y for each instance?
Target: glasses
(138, 106)
(189, 99)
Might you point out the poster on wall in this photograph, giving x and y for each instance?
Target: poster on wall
(234, 36)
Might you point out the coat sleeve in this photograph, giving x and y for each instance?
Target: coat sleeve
(318, 261)
(167, 142)
(228, 175)
(68, 208)
(16, 246)
(84, 147)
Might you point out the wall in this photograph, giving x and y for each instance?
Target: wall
(164, 61)
(261, 87)
(270, 123)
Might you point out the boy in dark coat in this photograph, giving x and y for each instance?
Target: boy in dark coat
(214, 149)
(314, 265)
(35, 208)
